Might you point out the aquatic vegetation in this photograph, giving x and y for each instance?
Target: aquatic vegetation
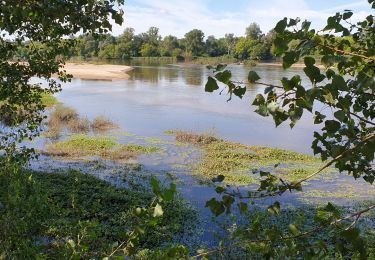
(235, 161)
(78, 146)
(70, 213)
(49, 100)
(80, 125)
(102, 124)
(61, 116)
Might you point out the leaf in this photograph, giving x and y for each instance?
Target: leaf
(220, 189)
(224, 76)
(309, 61)
(340, 115)
(274, 209)
(289, 59)
(211, 85)
(259, 100)
(281, 25)
(158, 211)
(253, 77)
(220, 67)
(243, 207)
(216, 207)
(347, 15)
(239, 91)
(293, 229)
(262, 110)
(219, 178)
(332, 126)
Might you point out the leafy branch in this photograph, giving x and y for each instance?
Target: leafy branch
(310, 232)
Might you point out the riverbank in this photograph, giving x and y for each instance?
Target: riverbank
(280, 65)
(89, 71)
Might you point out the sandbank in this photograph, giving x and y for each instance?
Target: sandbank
(88, 71)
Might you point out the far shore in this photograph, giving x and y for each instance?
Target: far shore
(89, 71)
(296, 65)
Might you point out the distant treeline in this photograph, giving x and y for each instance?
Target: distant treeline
(255, 45)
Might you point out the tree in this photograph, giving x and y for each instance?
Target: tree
(346, 139)
(214, 47)
(230, 42)
(194, 42)
(149, 50)
(253, 32)
(152, 36)
(44, 28)
(168, 44)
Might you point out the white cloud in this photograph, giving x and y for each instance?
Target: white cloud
(177, 17)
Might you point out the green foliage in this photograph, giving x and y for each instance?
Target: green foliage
(42, 31)
(235, 162)
(341, 97)
(79, 146)
(75, 215)
(194, 42)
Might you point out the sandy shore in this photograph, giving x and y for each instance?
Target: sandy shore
(97, 72)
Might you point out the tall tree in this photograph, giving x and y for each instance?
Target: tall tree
(168, 44)
(214, 47)
(253, 32)
(230, 42)
(194, 42)
(46, 27)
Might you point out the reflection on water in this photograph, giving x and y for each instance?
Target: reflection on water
(165, 97)
(192, 75)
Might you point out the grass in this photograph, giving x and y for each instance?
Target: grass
(235, 161)
(80, 125)
(62, 115)
(79, 146)
(103, 124)
(71, 215)
(214, 60)
(49, 100)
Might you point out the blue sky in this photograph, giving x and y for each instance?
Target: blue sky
(217, 17)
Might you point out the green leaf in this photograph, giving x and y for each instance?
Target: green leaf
(239, 91)
(215, 206)
(340, 115)
(220, 189)
(281, 25)
(243, 207)
(224, 76)
(158, 211)
(289, 59)
(262, 110)
(211, 85)
(347, 15)
(253, 77)
(219, 178)
(293, 229)
(259, 100)
(332, 126)
(274, 209)
(309, 61)
(220, 67)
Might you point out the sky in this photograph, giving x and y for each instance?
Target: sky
(218, 17)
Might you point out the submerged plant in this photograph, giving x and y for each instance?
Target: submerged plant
(79, 146)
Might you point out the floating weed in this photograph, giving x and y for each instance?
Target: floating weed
(343, 191)
(103, 124)
(235, 161)
(78, 146)
(90, 212)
